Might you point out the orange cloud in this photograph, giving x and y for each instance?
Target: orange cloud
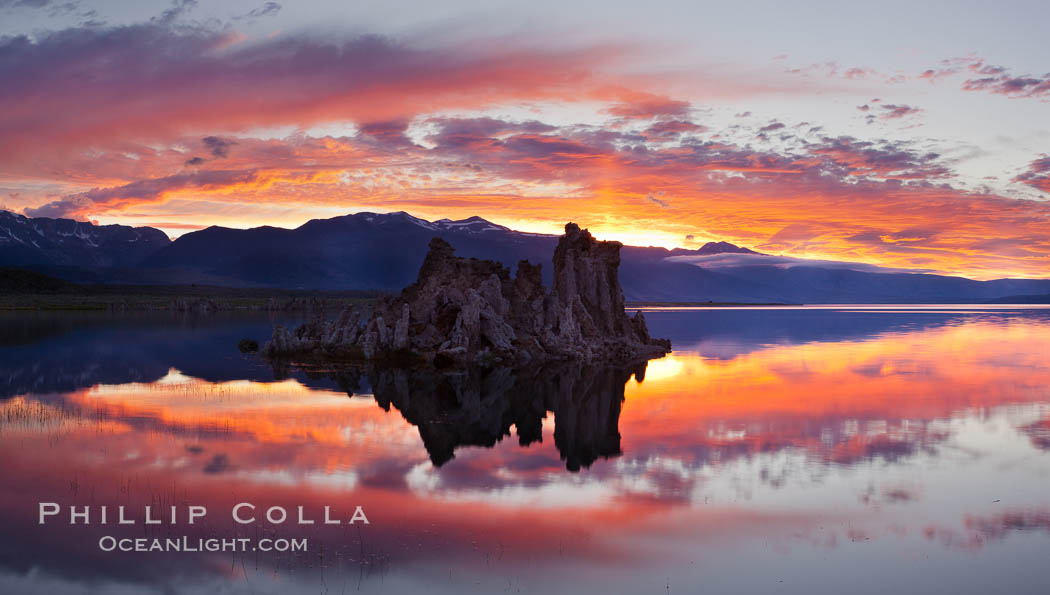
(856, 200)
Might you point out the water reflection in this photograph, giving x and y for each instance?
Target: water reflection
(478, 407)
(832, 445)
(45, 352)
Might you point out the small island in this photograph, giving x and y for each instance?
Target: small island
(463, 311)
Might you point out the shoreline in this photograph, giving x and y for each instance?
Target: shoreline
(184, 299)
(645, 304)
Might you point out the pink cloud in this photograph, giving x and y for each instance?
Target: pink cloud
(647, 106)
(991, 78)
(894, 111)
(1037, 175)
(671, 129)
(149, 81)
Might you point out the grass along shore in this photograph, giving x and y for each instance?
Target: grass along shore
(28, 290)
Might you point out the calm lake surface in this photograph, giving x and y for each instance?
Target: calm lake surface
(850, 449)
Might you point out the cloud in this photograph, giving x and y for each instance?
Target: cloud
(388, 132)
(857, 73)
(647, 106)
(663, 204)
(141, 191)
(932, 74)
(218, 147)
(1011, 86)
(883, 159)
(1038, 175)
(893, 111)
(832, 69)
(191, 77)
(671, 129)
(268, 9)
(991, 78)
(724, 261)
(949, 67)
(55, 8)
(835, 198)
(772, 127)
(997, 79)
(188, 147)
(178, 9)
(886, 111)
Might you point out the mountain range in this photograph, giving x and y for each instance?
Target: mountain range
(383, 252)
(45, 242)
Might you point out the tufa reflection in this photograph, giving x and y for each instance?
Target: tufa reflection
(478, 406)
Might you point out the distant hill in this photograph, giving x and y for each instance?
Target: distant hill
(15, 281)
(46, 242)
(718, 248)
(1021, 299)
(383, 252)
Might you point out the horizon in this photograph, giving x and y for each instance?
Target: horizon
(715, 261)
(915, 144)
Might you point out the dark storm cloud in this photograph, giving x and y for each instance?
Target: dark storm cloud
(218, 147)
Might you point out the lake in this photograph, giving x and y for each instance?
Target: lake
(797, 450)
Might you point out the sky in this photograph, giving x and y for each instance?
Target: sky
(907, 135)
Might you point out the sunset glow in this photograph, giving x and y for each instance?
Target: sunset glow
(554, 297)
(929, 155)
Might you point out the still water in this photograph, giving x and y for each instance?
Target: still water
(802, 450)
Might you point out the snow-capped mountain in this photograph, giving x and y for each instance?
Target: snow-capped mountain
(42, 241)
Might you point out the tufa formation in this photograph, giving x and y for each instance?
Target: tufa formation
(465, 310)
